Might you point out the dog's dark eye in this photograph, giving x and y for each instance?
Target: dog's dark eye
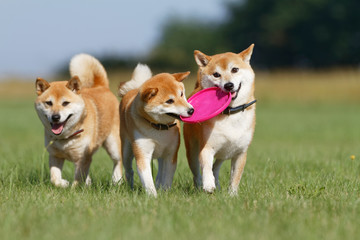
(216, 74)
(170, 101)
(65, 103)
(234, 70)
(182, 94)
(49, 103)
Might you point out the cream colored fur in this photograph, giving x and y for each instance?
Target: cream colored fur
(145, 101)
(224, 136)
(86, 104)
(88, 69)
(141, 73)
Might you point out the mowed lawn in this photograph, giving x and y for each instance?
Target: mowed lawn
(301, 181)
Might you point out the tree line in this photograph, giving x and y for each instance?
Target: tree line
(287, 34)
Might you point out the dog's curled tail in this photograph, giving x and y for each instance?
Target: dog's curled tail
(89, 70)
(141, 73)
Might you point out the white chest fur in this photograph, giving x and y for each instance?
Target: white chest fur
(231, 134)
(158, 142)
(71, 149)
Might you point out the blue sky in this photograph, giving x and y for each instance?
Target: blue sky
(38, 36)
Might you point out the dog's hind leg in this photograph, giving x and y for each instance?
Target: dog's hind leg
(192, 155)
(127, 158)
(237, 169)
(82, 171)
(56, 165)
(216, 171)
(113, 148)
(168, 171)
(159, 176)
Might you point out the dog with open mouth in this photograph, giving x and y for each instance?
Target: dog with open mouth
(149, 126)
(228, 135)
(79, 116)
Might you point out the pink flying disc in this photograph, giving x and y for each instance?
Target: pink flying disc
(207, 104)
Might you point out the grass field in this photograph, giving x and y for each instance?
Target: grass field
(300, 181)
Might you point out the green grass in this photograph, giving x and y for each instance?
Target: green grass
(299, 181)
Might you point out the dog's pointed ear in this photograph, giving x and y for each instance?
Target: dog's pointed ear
(74, 84)
(246, 54)
(148, 94)
(180, 76)
(41, 85)
(201, 59)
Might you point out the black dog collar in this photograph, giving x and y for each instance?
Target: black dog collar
(159, 126)
(230, 110)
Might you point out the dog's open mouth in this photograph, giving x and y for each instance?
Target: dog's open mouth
(57, 128)
(235, 93)
(174, 115)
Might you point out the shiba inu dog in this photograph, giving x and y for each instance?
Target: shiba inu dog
(228, 135)
(149, 127)
(79, 116)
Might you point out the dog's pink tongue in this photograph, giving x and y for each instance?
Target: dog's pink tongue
(57, 128)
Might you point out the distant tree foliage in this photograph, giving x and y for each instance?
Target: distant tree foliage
(178, 42)
(286, 33)
(298, 33)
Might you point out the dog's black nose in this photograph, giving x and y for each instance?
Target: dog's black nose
(191, 111)
(229, 86)
(55, 117)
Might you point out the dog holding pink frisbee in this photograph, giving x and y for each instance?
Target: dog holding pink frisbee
(223, 122)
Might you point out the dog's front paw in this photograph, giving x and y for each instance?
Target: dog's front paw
(61, 183)
(88, 181)
(233, 192)
(209, 183)
(117, 181)
(151, 192)
(209, 187)
(75, 184)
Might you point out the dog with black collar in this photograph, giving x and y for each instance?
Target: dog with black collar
(149, 126)
(228, 135)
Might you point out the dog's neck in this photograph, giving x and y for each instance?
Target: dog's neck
(159, 126)
(75, 133)
(141, 113)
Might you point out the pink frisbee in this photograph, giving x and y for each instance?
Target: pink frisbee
(207, 104)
